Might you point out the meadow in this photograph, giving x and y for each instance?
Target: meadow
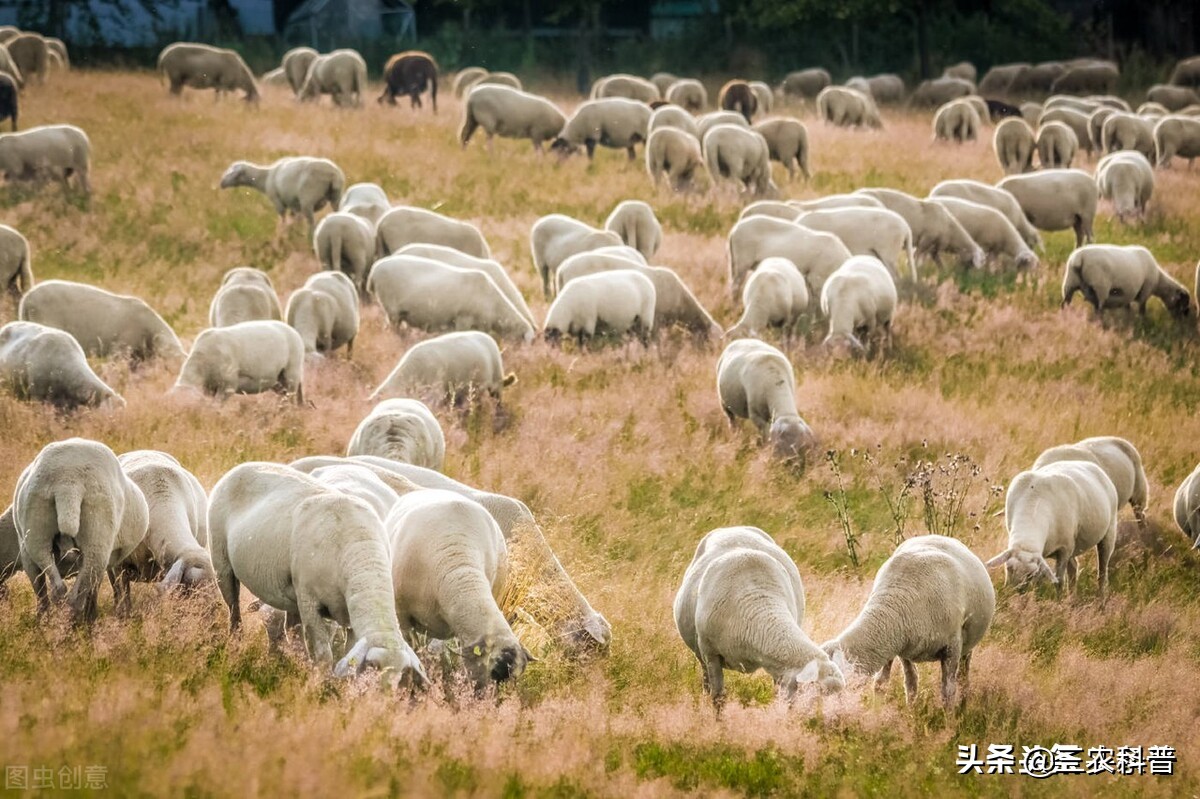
(626, 458)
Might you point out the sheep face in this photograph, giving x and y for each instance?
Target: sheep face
(843, 345)
(488, 662)
(236, 175)
(791, 438)
(1027, 260)
(1023, 568)
(821, 670)
(591, 633)
(563, 148)
(400, 662)
(1178, 302)
(189, 572)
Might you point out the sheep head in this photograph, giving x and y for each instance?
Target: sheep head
(1023, 568)
(238, 174)
(399, 661)
(489, 659)
(791, 438)
(821, 670)
(563, 148)
(592, 632)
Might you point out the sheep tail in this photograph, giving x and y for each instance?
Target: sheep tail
(68, 500)
(335, 251)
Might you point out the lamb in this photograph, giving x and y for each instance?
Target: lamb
(406, 224)
(400, 430)
(556, 237)
(747, 616)
(453, 257)
(454, 363)
(1060, 510)
(736, 95)
(1128, 132)
(295, 66)
(48, 365)
(74, 494)
(9, 99)
(616, 302)
(630, 87)
(342, 74)
(1056, 199)
(1014, 145)
(410, 73)
(932, 600)
(49, 152)
(991, 230)
(934, 229)
(466, 78)
(246, 358)
(511, 114)
(199, 66)
(297, 185)
(672, 116)
(688, 93)
(31, 55)
(1112, 276)
(1093, 78)
(1176, 136)
(325, 313)
(1173, 98)
(431, 295)
(867, 231)
(957, 121)
(787, 143)
(739, 155)
(756, 381)
(449, 568)
(675, 153)
(847, 108)
(988, 195)
(245, 295)
(709, 121)
(1127, 179)
(16, 265)
(345, 243)
(611, 121)
(1117, 458)
(939, 91)
(173, 550)
(1056, 145)
(805, 83)
(103, 323)
(366, 200)
(634, 221)
(1186, 508)
(312, 551)
(814, 253)
(859, 300)
(774, 296)
(1078, 121)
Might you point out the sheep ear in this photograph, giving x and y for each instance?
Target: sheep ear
(1000, 559)
(809, 673)
(1044, 568)
(174, 575)
(595, 629)
(354, 661)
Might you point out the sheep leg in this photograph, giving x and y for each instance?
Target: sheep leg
(1072, 574)
(882, 677)
(950, 662)
(715, 671)
(316, 632)
(964, 673)
(910, 681)
(1104, 552)
(119, 579)
(632, 153)
(276, 625)
(85, 592)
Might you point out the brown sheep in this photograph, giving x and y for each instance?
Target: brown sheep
(736, 95)
(410, 72)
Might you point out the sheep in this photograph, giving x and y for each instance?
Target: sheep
(345, 243)
(1186, 72)
(999, 79)
(1014, 145)
(245, 295)
(48, 365)
(1128, 132)
(58, 48)
(8, 67)
(1127, 179)
(1056, 199)
(616, 302)
(103, 323)
(49, 152)
(74, 494)
(835, 201)
(932, 600)
(982, 109)
(709, 121)
(1056, 145)
(453, 257)
(886, 88)
(246, 358)
(805, 83)
(814, 253)
(29, 52)
(9, 100)
(1112, 276)
(1176, 136)
(736, 95)
(634, 221)
(366, 200)
(688, 93)
(410, 73)
(342, 74)
(787, 143)
(1000, 200)
(933, 228)
(663, 81)
(325, 313)
(1152, 111)
(1088, 78)
(956, 121)
(274, 77)
(454, 363)
(963, 70)
(407, 224)
(467, 77)
(16, 264)
(402, 430)
(859, 299)
(867, 231)
(1078, 121)
(511, 114)
(1031, 113)
(756, 381)
(939, 91)
(746, 617)
(1173, 98)
(672, 116)
(774, 296)
(556, 237)
(1186, 507)
(199, 66)
(309, 550)
(296, 185)
(449, 568)
(676, 154)
(500, 79)
(1036, 79)
(1117, 458)
(630, 87)
(739, 155)
(295, 66)
(431, 295)
(173, 550)
(998, 110)
(1096, 122)
(847, 108)
(991, 230)
(610, 121)
(773, 208)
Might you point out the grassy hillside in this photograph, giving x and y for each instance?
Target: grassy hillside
(627, 460)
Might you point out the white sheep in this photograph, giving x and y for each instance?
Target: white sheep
(201, 66)
(103, 323)
(1127, 179)
(1096, 126)
(787, 143)
(342, 74)
(611, 122)
(991, 230)
(373, 486)
(511, 114)
(16, 265)
(1079, 121)
(312, 551)
(406, 224)
(1187, 507)
(957, 121)
(933, 228)
(845, 108)
(672, 116)
(49, 152)
(74, 495)
(555, 238)
(814, 253)
(296, 185)
(932, 600)
(939, 91)
(1056, 145)
(491, 268)
(44, 364)
(999, 199)
(774, 296)
(867, 231)
(630, 87)
(835, 201)
(1056, 199)
(859, 299)
(1118, 458)
(764, 95)
(1112, 276)
(1128, 132)
(615, 302)
(1060, 510)
(740, 155)
(467, 77)
(688, 93)
(402, 430)
(367, 200)
(805, 82)
(345, 242)
(295, 64)
(709, 121)
(1173, 98)
(325, 313)
(1176, 136)
(454, 363)
(241, 298)
(634, 221)
(1014, 145)
(756, 381)
(246, 358)
(675, 153)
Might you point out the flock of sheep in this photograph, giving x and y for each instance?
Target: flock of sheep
(374, 552)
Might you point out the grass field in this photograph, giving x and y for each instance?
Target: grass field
(627, 460)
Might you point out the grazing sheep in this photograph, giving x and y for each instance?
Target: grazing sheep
(630, 87)
(1173, 98)
(1128, 132)
(449, 569)
(556, 237)
(500, 79)
(1031, 113)
(672, 116)
(410, 73)
(1152, 111)
(939, 91)
(49, 152)
(859, 299)
(867, 231)
(325, 312)
(465, 78)
(934, 229)
(1187, 72)
(16, 264)
(295, 66)
(675, 153)
(274, 77)
(688, 93)
(372, 486)
(787, 143)
(407, 224)
(199, 66)
(956, 121)
(74, 495)
(1110, 100)
(709, 121)
(1056, 199)
(9, 101)
(610, 121)
(511, 114)
(999, 79)
(886, 88)
(401, 430)
(773, 208)
(1014, 145)
(815, 254)
(963, 70)
(103, 323)
(1112, 276)
(1091, 78)
(774, 296)
(1078, 121)
(47, 365)
(1119, 460)
(453, 257)
(634, 221)
(345, 243)
(736, 95)
(1187, 507)
(1056, 145)
(1176, 137)
(1059, 510)
(932, 600)
(1002, 201)
(366, 200)
(1037, 79)
(454, 363)
(243, 301)
(434, 296)
(297, 185)
(835, 201)
(342, 74)
(739, 155)
(756, 381)
(246, 358)
(58, 48)
(663, 81)
(805, 83)
(29, 52)
(764, 96)
(846, 108)
(1096, 122)
(614, 302)
(1127, 179)
(991, 230)
(309, 550)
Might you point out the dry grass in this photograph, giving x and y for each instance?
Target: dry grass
(626, 458)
